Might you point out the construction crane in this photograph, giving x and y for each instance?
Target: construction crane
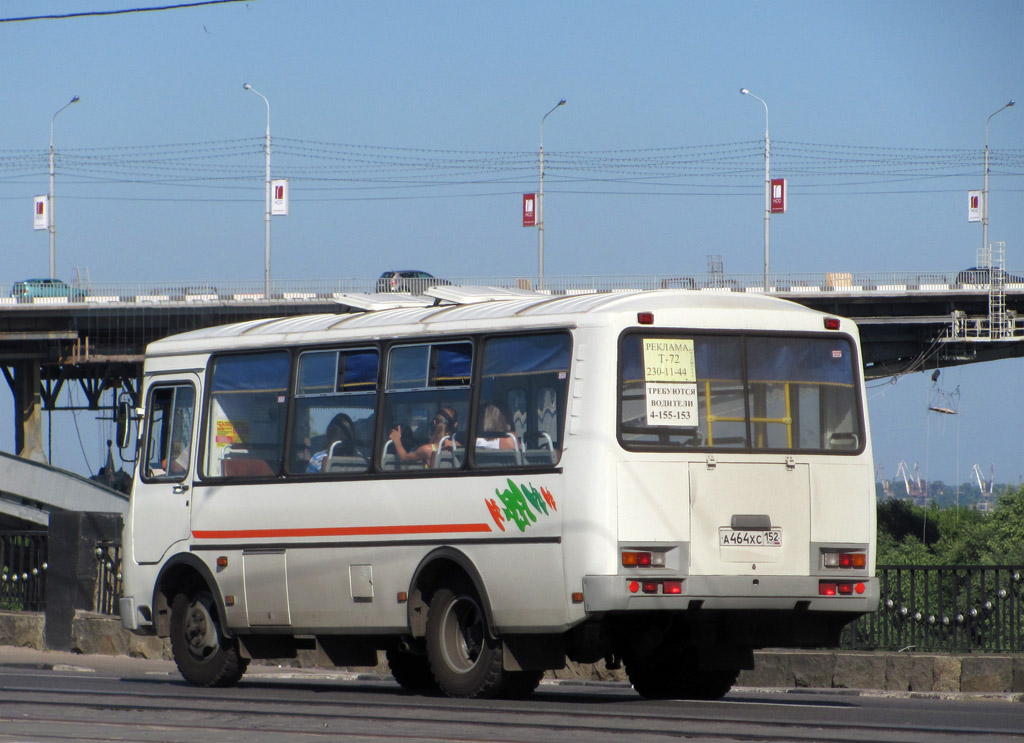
(988, 487)
(880, 477)
(912, 483)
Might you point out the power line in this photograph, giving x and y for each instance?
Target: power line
(123, 11)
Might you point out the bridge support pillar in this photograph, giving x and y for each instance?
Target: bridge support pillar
(28, 405)
(71, 580)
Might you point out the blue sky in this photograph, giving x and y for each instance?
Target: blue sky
(449, 77)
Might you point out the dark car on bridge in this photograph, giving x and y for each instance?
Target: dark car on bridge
(409, 282)
(31, 289)
(983, 274)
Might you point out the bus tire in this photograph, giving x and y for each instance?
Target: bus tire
(204, 656)
(464, 659)
(411, 670)
(675, 676)
(520, 684)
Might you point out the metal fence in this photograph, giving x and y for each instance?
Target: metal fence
(949, 608)
(23, 570)
(108, 583)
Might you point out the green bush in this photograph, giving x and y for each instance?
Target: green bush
(954, 535)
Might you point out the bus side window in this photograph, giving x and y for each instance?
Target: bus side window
(335, 401)
(169, 438)
(426, 404)
(247, 415)
(527, 378)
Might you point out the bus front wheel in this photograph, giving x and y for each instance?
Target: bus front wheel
(464, 659)
(204, 656)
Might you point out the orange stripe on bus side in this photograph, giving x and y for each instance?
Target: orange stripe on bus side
(341, 531)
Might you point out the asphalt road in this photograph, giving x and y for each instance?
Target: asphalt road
(61, 697)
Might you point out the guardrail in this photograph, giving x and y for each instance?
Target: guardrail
(950, 608)
(318, 290)
(23, 568)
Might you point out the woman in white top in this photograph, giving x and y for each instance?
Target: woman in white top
(495, 432)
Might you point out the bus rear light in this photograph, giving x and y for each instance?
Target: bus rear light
(645, 318)
(642, 559)
(844, 559)
(831, 323)
(853, 560)
(667, 587)
(636, 559)
(830, 588)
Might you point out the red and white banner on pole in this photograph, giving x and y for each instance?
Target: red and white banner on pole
(529, 210)
(41, 213)
(778, 195)
(279, 198)
(974, 206)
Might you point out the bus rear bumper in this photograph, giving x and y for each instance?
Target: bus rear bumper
(614, 593)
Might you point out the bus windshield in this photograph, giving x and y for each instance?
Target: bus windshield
(738, 392)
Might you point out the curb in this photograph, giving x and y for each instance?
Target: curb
(898, 675)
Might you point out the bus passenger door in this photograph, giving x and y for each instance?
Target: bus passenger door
(163, 487)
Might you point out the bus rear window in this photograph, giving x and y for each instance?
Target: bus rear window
(738, 392)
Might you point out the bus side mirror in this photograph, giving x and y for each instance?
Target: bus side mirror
(123, 418)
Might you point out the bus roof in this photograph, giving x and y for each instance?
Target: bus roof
(502, 311)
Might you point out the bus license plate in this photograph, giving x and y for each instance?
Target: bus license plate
(728, 537)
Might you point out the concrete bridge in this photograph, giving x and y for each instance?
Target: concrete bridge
(96, 336)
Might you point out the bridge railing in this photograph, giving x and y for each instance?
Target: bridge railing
(951, 608)
(23, 565)
(318, 290)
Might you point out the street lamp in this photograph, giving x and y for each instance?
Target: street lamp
(49, 201)
(767, 182)
(266, 239)
(540, 202)
(984, 195)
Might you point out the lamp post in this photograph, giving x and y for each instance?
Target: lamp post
(540, 202)
(767, 182)
(49, 200)
(266, 239)
(984, 194)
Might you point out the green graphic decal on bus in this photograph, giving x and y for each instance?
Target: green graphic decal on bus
(517, 500)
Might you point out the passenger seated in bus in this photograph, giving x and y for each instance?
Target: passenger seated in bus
(443, 428)
(495, 431)
(339, 440)
(178, 465)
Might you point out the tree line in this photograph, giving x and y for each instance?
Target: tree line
(910, 534)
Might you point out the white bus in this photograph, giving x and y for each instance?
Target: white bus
(486, 487)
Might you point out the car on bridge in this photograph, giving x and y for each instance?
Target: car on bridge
(983, 274)
(409, 282)
(31, 289)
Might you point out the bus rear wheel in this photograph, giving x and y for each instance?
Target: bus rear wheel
(464, 659)
(675, 675)
(204, 656)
